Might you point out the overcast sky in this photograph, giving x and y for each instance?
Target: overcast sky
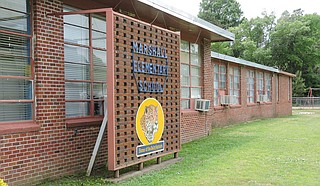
(254, 8)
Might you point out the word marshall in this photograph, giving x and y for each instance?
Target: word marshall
(149, 50)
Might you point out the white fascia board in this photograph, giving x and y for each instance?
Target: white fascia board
(189, 18)
(243, 62)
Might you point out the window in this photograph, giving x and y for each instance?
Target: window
(277, 88)
(16, 64)
(250, 86)
(289, 88)
(235, 77)
(190, 73)
(260, 84)
(220, 82)
(269, 87)
(85, 64)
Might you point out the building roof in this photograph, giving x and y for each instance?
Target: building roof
(248, 63)
(156, 13)
(190, 19)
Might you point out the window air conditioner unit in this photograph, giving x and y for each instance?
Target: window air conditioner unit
(202, 105)
(262, 98)
(228, 100)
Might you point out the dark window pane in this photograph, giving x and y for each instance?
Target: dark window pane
(76, 19)
(99, 39)
(77, 109)
(99, 24)
(98, 108)
(15, 111)
(195, 92)
(184, 46)
(76, 35)
(185, 104)
(77, 71)
(77, 91)
(14, 21)
(100, 73)
(185, 92)
(19, 5)
(12, 45)
(14, 66)
(99, 90)
(15, 89)
(76, 54)
(99, 58)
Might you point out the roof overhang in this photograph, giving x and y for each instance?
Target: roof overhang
(155, 13)
(189, 23)
(216, 55)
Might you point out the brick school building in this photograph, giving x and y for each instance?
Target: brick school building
(148, 69)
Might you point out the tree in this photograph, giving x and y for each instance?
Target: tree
(252, 38)
(298, 85)
(291, 43)
(224, 13)
(295, 45)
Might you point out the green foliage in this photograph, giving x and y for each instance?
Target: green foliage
(224, 13)
(252, 40)
(291, 44)
(279, 151)
(221, 47)
(288, 42)
(295, 46)
(299, 87)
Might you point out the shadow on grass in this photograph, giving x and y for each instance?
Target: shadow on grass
(196, 153)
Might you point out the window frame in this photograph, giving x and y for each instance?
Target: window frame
(289, 89)
(191, 99)
(260, 83)
(28, 35)
(232, 78)
(219, 90)
(267, 91)
(249, 90)
(92, 102)
(277, 88)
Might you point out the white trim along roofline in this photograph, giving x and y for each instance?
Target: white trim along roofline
(189, 18)
(248, 63)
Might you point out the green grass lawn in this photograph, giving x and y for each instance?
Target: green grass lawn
(280, 151)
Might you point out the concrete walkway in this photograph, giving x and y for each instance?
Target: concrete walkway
(126, 176)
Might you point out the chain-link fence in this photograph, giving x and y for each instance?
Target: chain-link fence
(306, 102)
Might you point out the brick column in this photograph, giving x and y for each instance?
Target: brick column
(49, 65)
(208, 82)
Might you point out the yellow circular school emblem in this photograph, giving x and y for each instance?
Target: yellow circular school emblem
(150, 121)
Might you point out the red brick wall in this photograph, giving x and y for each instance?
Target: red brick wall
(193, 126)
(231, 115)
(54, 150)
(196, 124)
(284, 106)
(235, 114)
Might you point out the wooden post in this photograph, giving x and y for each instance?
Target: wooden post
(158, 160)
(140, 166)
(99, 138)
(117, 174)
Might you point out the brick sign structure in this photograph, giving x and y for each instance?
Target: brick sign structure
(146, 66)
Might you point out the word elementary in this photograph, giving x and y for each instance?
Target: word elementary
(149, 68)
